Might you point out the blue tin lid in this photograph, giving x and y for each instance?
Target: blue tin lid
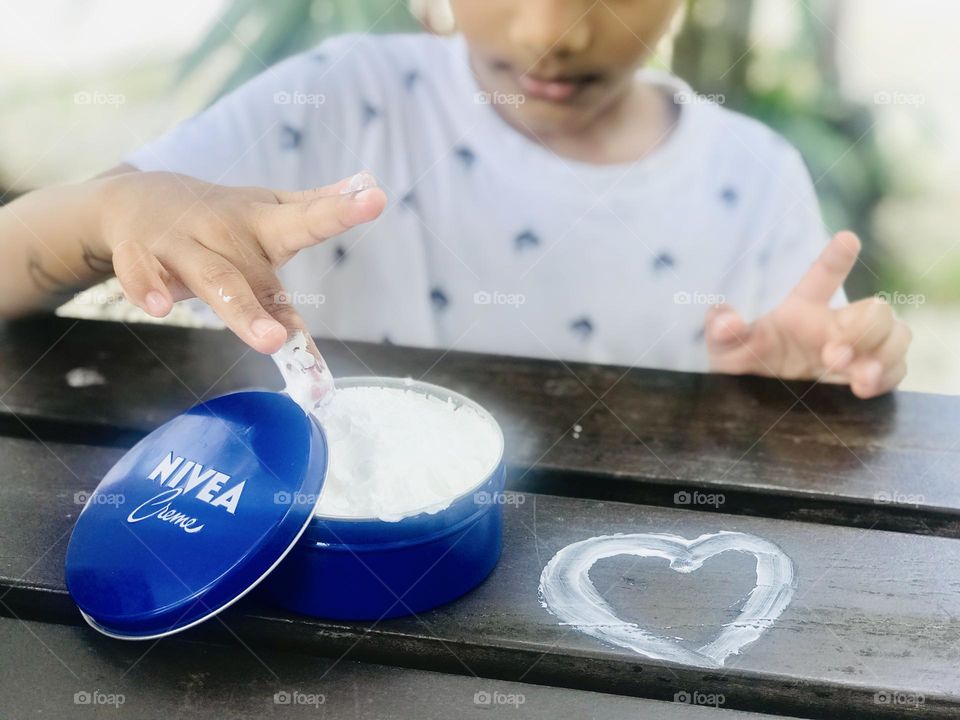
(196, 514)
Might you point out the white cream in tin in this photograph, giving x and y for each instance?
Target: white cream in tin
(397, 451)
(394, 449)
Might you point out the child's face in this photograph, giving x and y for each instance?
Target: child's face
(570, 59)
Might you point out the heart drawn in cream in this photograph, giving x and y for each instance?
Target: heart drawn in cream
(567, 591)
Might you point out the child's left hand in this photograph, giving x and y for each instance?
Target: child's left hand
(862, 344)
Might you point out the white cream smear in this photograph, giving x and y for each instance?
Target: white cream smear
(84, 377)
(396, 452)
(567, 591)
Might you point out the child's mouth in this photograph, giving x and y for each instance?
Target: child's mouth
(556, 89)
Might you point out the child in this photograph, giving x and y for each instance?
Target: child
(539, 194)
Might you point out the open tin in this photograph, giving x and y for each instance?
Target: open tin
(385, 569)
(212, 504)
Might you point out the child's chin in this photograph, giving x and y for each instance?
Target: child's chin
(546, 118)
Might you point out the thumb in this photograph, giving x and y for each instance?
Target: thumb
(724, 329)
(733, 346)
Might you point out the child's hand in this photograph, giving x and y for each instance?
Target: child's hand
(862, 344)
(172, 237)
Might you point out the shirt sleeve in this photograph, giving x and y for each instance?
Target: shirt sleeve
(261, 133)
(793, 236)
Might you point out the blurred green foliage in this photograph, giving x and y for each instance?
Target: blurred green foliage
(280, 29)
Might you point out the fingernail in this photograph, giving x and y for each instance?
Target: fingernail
(362, 196)
(360, 181)
(262, 327)
(156, 302)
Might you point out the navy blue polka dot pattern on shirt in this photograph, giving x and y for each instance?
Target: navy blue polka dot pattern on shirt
(582, 327)
(290, 137)
(409, 200)
(410, 79)
(730, 196)
(439, 299)
(370, 113)
(663, 261)
(526, 239)
(339, 254)
(466, 155)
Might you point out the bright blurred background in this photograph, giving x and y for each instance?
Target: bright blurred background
(867, 89)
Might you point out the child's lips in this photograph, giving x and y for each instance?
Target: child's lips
(556, 90)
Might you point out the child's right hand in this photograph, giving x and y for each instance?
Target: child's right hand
(172, 237)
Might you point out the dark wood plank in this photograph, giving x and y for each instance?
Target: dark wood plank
(772, 449)
(874, 612)
(56, 671)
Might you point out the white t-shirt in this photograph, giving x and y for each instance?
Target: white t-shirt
(490, 242)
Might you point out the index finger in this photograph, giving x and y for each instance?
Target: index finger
(285, 229)
(829, 270)
(355, 183)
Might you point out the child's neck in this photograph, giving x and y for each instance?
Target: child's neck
(627, 129)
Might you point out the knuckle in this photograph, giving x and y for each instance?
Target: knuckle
(310, 214)
(877, 315)
(248, 307)
(343, 216)
(215, 273)
(278, 304)
(258, 214)
(211, 225)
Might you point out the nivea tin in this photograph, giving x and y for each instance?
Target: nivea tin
(386, 569)
(210, 505)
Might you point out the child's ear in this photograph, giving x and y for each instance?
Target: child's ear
(665, 47)
(437, 16)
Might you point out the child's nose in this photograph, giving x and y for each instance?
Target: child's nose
(558, 28)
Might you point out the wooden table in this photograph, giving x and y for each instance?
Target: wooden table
(861, 497)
